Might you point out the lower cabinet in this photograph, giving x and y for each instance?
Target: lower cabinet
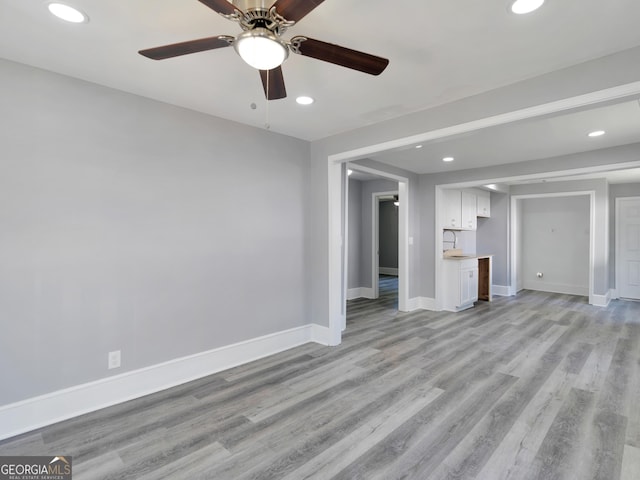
(460, 283)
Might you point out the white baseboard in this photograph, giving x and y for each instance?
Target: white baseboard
(556, 288)
(502, 290)
(421, 303)
(388, 271)
(320, 334)
(413, 304)
(359, 292)
(614, 294)
(601, 300)
(36, 412)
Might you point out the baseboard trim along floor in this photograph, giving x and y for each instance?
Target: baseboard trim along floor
(33, 413)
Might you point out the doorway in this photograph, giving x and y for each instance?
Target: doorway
(628, 247)
(384, 234)
(362, 265)
(527, 276)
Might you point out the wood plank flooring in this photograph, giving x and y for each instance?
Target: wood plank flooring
(538, 386)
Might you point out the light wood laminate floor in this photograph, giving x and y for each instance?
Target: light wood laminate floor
(538, 386)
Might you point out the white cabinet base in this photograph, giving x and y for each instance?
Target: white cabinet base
(460, 284)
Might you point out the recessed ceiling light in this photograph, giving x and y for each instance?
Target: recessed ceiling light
(67, 13)
(521, 7)
(418, 146)
(448, 159)
(597, 133)
(349, 172)
(304, 100)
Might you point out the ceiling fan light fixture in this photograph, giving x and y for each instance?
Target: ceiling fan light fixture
(261, 49)
(67, 13)
(521, 7)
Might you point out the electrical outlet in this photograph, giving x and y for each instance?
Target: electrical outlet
(114, 359)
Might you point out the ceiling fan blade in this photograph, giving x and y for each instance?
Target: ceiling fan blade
(183, 48)
(223, 7)
(342, 56)
(273, 83)
(295, 10)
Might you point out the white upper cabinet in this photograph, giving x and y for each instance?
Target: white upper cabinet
(459, 212)
(462, 207)
(483, 203)
(452, 209)
(469, 211)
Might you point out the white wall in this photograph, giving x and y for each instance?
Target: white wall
(132, 225)
(555, 242)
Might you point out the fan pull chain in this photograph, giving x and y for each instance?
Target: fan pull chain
(266, 124)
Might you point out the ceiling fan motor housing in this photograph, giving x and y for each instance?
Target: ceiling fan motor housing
(253, 14)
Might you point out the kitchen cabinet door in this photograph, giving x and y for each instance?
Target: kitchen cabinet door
(483, 204)
(468, 286)
(469, 210)
(460, 283)
(452, 211)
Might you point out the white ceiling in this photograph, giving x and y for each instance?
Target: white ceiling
(535, 138)
(439, 51)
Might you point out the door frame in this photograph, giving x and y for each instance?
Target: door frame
(403, 240)
(375, 240)
(515, 235)
(618, 259)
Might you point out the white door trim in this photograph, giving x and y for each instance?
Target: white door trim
(339, 295)
(515, 233)
(618, 258)
(375, 239)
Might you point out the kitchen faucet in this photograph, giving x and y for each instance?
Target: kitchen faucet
(455, 238)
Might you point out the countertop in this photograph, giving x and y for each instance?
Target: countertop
(466, 257)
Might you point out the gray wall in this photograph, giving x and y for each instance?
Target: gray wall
(555, 235)
(132, 225)
(368, 189)
(414, 251)
(617, 191)
(492, 237)
(355, 232)
(388, 235)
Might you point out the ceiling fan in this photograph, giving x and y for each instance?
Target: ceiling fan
(261, 44)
